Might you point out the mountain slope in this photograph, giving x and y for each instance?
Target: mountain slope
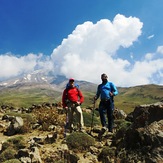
(38, 87)
(132, 96)
(42, 87)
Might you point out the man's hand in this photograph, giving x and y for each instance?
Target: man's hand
(78, 103)
(66, 108)
(95, 98)
(111, 94)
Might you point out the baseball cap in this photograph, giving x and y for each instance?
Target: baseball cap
(71, 79)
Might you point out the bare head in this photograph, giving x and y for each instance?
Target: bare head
(104, 77)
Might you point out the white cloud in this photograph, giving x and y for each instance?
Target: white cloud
(149, 56)
(160, 49)
(150, 37)
(131, 55)
(90, 51)
(12, 66)
(143, 71)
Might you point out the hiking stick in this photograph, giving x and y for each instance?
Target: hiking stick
(66, 125)
(94, 102)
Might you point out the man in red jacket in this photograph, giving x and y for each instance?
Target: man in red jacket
(72, 98)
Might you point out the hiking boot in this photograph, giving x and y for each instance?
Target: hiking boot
(110, 130)
(104, 129)
(101, 133)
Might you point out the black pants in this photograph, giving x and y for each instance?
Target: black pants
(106, 108)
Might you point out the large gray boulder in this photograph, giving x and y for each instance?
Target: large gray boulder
(16, 123)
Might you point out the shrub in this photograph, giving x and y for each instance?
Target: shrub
(26, 128)
(17, 142)
(79, 141)
(106, 151)
(5, 145)
(122, 124)
(12, 161)
(47, 117)
(10, 147)
(7, 154)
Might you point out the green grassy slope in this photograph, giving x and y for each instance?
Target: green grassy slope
(126, 100)
(27, 97)
(130, 97)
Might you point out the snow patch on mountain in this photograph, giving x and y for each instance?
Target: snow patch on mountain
(16, 81)
(36, 77)
(44, 80)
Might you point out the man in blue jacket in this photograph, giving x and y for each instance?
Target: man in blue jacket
(106, 91)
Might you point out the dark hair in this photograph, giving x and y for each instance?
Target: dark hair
(104, 76)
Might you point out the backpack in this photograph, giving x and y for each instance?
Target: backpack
(67, 88)
(76, 85)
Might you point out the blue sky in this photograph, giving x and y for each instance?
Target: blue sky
(83, 39)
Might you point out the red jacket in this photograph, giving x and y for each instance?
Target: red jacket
(73, 94)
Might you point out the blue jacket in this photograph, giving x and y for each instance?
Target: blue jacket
(104, 90)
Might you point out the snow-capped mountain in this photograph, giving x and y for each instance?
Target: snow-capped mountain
(34, 77)
(43, 79)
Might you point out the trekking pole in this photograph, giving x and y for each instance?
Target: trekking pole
(66, 125)
(94, 104)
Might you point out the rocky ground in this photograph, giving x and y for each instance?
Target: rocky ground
(138, 138)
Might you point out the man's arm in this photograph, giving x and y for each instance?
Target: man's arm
(97, 93)
(64, 98)
(114, 91)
